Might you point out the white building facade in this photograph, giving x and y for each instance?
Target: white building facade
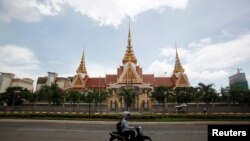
(8, 80)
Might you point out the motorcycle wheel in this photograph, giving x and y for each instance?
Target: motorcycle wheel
(114, 139)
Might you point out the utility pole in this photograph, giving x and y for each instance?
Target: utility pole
(99, 94)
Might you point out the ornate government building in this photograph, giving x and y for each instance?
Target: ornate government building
(129, 74)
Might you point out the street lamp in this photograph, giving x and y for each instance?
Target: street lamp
(13, 101)
(89, 98)
(34, 94)
(99, 95)
(165, 99)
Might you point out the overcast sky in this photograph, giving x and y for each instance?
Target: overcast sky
(212, 36)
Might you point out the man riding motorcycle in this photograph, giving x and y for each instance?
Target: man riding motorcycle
(127, 133)
(126, 130)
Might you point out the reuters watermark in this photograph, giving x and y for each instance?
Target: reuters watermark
(221, 132)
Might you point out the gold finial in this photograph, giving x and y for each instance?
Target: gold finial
(82, 67)
(178, 67)
(129, 55)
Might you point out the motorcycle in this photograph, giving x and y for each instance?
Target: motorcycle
(116, 136)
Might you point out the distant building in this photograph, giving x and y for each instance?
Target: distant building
(129, 74)
(9, 80)
(52, 78)
(238, 81)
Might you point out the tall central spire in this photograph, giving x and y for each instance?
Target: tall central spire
(82, 67)
(129, 55)
(178, 67)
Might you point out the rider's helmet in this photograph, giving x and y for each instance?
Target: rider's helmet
(126, 114)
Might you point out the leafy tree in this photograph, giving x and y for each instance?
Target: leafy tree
(32, 98)
(129, 96)
(161, 94)
(56, 94)
(74, 97)
(51, 94)
(207, 92)
(184, 94)
(15, 95)
(247, 98)
(99, 97)
(237, 94)
(225, 94)
(44, 94)
(89, 97)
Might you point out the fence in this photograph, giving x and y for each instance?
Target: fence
(102, 108)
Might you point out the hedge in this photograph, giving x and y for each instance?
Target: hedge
(139, 117)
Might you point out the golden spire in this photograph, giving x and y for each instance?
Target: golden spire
(82, 67)
(178, 67)
(129, 55)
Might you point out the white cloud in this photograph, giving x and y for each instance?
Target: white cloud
(208, 62)
(171, 51)
(201, 43)
(95, 69)
(208, 75)
(19, 60)
(226, 33)
(112, 12)
(221, 55)
(160, 68)
(108, 12)
(28, 10)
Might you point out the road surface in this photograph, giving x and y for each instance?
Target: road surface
(46, 130)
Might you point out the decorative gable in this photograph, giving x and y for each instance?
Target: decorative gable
(129, 75)
(182, 81)
(80, 80)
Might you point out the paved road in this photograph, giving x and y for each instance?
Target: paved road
(44, 130)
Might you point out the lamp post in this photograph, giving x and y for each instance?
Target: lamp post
(78, 102)
(13, 101)
(89, 98)
(165, 100)
(99, 95)
(35, 94)
(14, 97)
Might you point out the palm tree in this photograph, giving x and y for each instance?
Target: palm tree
(181, 94)
(225, 95)
(129, 96)
(207, 92)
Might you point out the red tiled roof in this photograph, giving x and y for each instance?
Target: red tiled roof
(148, 78)
(96, 82)
(174, 78)
(163, 81)
(111, 78)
